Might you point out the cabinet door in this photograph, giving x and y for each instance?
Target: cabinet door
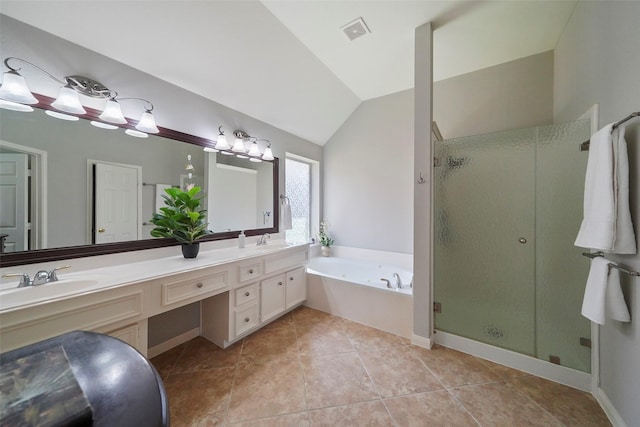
(272, 297)
(296, 286)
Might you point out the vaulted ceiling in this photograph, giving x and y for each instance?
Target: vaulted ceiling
(288, 63)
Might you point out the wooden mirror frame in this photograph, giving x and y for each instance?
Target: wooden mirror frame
(11, 259)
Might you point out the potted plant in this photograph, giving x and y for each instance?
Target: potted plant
(325, 240)
(181, 219)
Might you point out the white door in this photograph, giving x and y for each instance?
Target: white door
(115, 203)
(13, 201)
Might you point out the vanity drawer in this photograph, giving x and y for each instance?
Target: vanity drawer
(246, 318)
(185, 289)
(249, 271)
(246, 294)
(278, 262)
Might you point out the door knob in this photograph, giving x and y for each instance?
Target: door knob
(522, 240)
(101, 230)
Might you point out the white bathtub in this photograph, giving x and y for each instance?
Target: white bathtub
(352, 288)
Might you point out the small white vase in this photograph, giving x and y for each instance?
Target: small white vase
(325, 250)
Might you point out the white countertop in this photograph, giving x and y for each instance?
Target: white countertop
(88, 281)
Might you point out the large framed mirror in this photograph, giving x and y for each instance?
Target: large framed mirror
(64, 171)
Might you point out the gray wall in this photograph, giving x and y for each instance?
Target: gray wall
(368, 163)
(175, 108)
(597, 60)
(516, 94)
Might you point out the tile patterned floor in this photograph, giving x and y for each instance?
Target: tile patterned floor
(309, 368)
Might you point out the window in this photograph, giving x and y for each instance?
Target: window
(299, 188)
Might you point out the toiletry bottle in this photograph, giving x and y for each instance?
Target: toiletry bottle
(241, 239)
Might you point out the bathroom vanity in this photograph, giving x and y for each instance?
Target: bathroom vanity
(240, 290)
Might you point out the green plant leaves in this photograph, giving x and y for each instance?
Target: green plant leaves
(181, 218)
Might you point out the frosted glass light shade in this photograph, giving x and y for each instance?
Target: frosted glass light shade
(147, 123)
(221, 143)
(14, 89)
(255, 160)
(113, 113)
(268, 154)
(68, 101)
(254, 150)
(209, 150)
(14, 106)
(238, 146)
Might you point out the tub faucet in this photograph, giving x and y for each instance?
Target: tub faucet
(388, 283)
(263, 239)
(398, 280)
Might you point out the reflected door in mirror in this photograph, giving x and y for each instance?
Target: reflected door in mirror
(13, 201)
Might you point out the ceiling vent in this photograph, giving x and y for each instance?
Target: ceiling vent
(355, 29)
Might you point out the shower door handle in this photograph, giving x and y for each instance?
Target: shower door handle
(522, 240)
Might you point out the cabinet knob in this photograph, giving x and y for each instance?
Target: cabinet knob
(246, 294)
(251, 271)
(291, 278)
(246, 319)
(199, 285)
(279, 283)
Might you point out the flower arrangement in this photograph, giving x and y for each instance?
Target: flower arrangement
(323, 235)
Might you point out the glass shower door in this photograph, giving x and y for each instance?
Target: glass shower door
(561, 270)
(484, 248)
(507, 209)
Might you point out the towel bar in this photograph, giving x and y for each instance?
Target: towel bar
(617, 267)
(146, 184)
(585, 145)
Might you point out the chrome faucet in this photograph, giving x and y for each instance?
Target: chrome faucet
(263, 239)
(40, 278)
(398, 280)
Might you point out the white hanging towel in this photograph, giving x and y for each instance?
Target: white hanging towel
(625, 240)
(286, 222)
(606, 224)
(603, 295)
(159, 193)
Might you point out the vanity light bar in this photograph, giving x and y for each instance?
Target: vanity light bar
(239, 149)
(15, 95)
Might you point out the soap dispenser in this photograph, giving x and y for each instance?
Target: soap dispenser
(241, 237)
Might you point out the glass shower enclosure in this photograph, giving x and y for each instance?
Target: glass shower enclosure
(507, 207)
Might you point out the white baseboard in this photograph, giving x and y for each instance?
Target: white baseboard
(608, 408)
(531, 365)
(421, 341)
(173, 342)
